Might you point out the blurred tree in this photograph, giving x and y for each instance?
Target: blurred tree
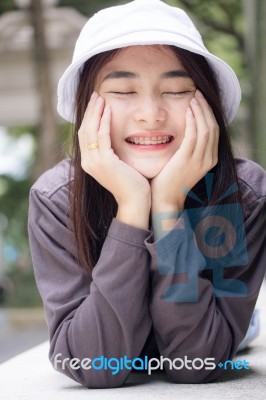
(20, 287)
(255, 12)
(48, 149)
(90, 7)
(14, 205)
(7, 5)
(221, 25)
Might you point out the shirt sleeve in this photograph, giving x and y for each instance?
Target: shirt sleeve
(89, 316)
(201, 308)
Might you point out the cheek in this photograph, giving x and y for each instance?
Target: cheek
(177, 112)
(116, 118)
(118, 111)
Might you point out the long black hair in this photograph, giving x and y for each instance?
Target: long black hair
(93, 207)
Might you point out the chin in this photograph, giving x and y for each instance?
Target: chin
(148, 168)
(149, 173)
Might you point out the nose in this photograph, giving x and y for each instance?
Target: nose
(150, 110)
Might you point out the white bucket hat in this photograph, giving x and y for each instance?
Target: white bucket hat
(142, 23)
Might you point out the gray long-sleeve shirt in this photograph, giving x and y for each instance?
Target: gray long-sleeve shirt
(136, 301)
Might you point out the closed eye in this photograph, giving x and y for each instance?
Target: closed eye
(178, 93)
(123, 93)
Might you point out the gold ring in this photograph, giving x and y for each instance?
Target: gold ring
(93, 146)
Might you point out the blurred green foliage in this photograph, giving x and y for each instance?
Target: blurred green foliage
(7, 5)
(22, 291)
(14, 204)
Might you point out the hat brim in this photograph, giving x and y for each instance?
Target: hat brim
(226, 77)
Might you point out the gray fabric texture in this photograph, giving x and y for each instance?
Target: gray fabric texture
(122, 307)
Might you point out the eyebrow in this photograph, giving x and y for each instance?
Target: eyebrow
(179, 73)
(120, 74)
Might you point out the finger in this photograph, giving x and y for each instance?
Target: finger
(84, 124)
(91, 120)
(203, 132)
(190, 136)
(81, 128)
(211, 152)
(104, 138)
(216, 146)
(88, 111)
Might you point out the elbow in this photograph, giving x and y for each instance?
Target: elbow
(195, 371)
(103, 382)
(194, 377)
(85, 375)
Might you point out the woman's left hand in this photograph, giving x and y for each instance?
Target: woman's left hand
(197, 154)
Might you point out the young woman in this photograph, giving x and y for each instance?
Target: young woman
(150, 241)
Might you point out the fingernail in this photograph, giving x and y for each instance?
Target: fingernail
(195, 101)
(93, 95)
(198, 93)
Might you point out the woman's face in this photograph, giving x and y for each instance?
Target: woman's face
(149, 92)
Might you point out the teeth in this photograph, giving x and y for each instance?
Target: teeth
(149, 141)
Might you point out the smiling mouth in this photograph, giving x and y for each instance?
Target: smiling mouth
(151, 140)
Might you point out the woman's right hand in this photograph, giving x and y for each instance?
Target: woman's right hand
(130, 189)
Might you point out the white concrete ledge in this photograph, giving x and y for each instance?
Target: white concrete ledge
(30, 376)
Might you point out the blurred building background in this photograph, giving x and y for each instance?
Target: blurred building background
(37, 38)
